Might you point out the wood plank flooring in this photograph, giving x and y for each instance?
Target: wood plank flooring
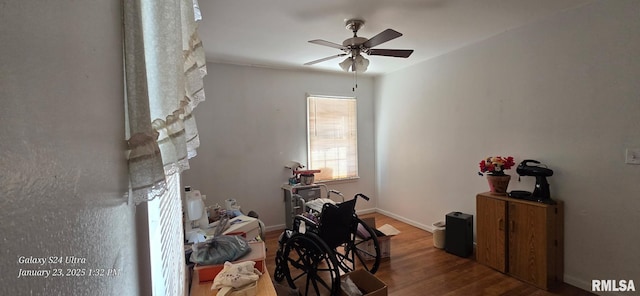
(416, 267)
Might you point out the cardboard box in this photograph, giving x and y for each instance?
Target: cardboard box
(384, 243)
(368, 284)
(384, 240)
(257, 254)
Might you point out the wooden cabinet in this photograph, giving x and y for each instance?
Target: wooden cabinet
(521, 238)
(491, 234)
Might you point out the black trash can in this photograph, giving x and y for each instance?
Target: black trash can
(459, 234)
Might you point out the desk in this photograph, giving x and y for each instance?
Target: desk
(265, 286)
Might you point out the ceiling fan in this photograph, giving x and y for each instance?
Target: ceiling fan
(355, 46)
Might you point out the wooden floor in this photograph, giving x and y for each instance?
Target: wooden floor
(416, 267)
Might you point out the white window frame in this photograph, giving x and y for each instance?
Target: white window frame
(344, 162)
(166, 240)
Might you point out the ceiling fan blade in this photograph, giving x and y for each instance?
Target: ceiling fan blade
(398, 53)
(324, 59)
(328, 43)
(384, 36)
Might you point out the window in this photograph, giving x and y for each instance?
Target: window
(166, 239)
(332, 137)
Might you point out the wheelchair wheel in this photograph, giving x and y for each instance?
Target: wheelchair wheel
(360, 251)
(310, 266)
(279, 272)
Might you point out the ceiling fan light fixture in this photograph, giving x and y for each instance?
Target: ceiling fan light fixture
(357, 64)
(346, 64)
(360, 64)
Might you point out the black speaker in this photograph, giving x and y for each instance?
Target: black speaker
(458, 238)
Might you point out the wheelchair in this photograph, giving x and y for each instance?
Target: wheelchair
(312, 255)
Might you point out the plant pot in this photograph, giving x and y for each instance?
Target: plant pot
(307, 179)
(498, 183)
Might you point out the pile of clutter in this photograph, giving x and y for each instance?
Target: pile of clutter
(200, 220)
(304, 177)
(238, 279)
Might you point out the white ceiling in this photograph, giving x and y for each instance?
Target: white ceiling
(275, 33)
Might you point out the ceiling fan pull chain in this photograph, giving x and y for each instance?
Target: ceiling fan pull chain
(355, 78)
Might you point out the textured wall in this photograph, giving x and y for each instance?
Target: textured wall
(62, 167)
(563, 90)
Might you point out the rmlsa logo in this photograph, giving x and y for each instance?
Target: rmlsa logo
(612, 285)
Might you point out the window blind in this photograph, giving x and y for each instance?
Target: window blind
(332, 137)
(166, 238)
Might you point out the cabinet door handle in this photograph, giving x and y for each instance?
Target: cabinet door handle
(512, 227)
(501, 224)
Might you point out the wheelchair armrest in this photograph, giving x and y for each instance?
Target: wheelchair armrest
(298, 218)
(309, 224)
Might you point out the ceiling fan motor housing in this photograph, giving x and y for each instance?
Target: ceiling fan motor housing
(354, 25)
(354, 41)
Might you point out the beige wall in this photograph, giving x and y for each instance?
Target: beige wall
(563, 90)
(63, 172)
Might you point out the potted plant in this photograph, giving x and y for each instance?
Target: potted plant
(494, 167)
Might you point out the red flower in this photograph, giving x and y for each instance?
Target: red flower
(496, 164)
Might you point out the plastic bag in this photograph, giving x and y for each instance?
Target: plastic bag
(219, 249)
(349, 287)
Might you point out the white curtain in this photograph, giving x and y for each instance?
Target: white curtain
(164, 68)
(165, 65)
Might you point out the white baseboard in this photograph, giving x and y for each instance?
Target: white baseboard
(405, 220)
(275, 227)
(366, 211)
(580, 283)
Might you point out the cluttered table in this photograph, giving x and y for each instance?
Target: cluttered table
(249, 228)
(265, 286)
